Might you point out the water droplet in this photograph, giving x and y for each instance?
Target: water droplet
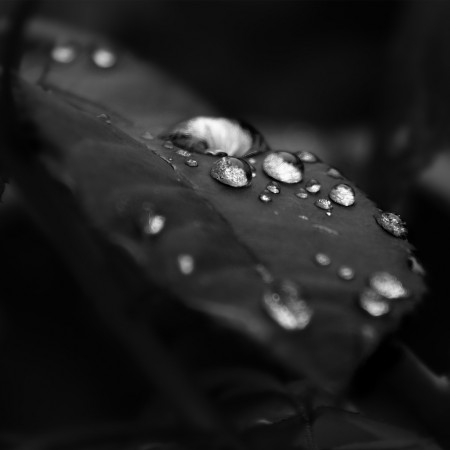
(334, 173)
(308, 157)
(346, 273)
(322, 259)
(183, 153)
(149, 223)
(252, 160)
(283, 166)
(415, 266)
(273, 187)
(303, 217)
(168, 144)
(64, 53)
(104, 58)
(147, 135)
(324, 203)
(191, 163)
(286, 307)
(105, 118)
(387, 285)
(265, 197)
(373, 303)
(231, 171)
(301, 193)
(342, 194)
(392, 223)
(313, 186)
(264, 273)
(328, 213)
(155, 225)
(186, 264)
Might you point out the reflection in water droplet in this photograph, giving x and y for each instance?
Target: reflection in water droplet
(104, 58)
(283, 166)
(301, 193)
(64, 53)
(387, 285)
(231, 171)
(191, 163)
(346, 273)
(415, 266)
(373, 303)
(265, 197)
(322, 259)
(334, 173)
(343, 195)
(307, 157)
(186, 264)
(147, 135)
(183, 153)
(313, 186)
(168, 144)
(273, 187)
(304, 217)
(105, 118)
(324, 203)
(392, 223)
(286, 307)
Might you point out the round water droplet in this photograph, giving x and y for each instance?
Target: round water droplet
(104, 58)
(343, 195)
(64, 53)
(387, 285)
(373, 303)
(265, 197)
(283, 166)
(286, 307)
(183, 153)
(415, 266)
(324, 203)
(186, 264)
(168, 144)
(301, 193)
(231, 171)
(322, 259)
(392, 223)
(313, 186)
(105, 118)
(147, 135)
(328, 213)
(191, 163)
(346, 273)
(273, 187)
(307, 157)
(334, 173)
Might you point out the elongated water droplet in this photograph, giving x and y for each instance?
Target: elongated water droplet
(191, 163)
(324, 203)
(325, 229)
(273, 187)
(186, 264)
(231, 171)
(415, 266)
(387, 285)
(147, 135)
(334, 173)
(346, 273)
(283, 166)
(183, 153)
(286, 307)
(301, 193)
(392, 223)
(105, 118)
(104, 58)
(265, 197)
(308, 157)
(313, 186)
(64, 53)
(168, 144)
(373, 303)
(322, 259)
(342, 194)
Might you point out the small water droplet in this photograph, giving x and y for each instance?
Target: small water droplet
(265, 197)
(283, 166)
(286, 307)
(149, 223)
(392, 223)
(324, 203)
(155, 225)
(328, 213)
(273, 187)
(415, 266)
(334, 173)
(308, 157)
(252, 160)
(186, 264)
(313, 186)
(234, 172)
(183, 153)
(104, 58)
(64, 53)
(105, 118)
(387, 285)
(301, 193)
(373, 303)
(343, 195)
(168, 144)
(303, 217)
(147, 135)
(346, 273)
(322, 259)
(191, 163)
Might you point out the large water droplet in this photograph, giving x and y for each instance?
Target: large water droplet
(387, 285)
(346, 273)
(64, 53)
(273, 187)
(286, 307)
(334, 173)
(231, 171)
(283, 166)
(301, 193)
(104, 58)
(313, 186)
(373, 303)
(392, 223)
(322, 259)
(105, 118)
(342, 194)
(186, 264)
(191, 163)
(324, 203)
(307, 157)
(265, 197)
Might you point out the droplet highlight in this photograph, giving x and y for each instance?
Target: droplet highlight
(313, 186)
(64, 53)
(346, 273)
(342, 194)
(104, 58)
(232, 171)
(322, 259)
(186, 264)
(283, 166)
(324, 203)
(387, 285)
(273, 187)
(392, 223)
(373, 303)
